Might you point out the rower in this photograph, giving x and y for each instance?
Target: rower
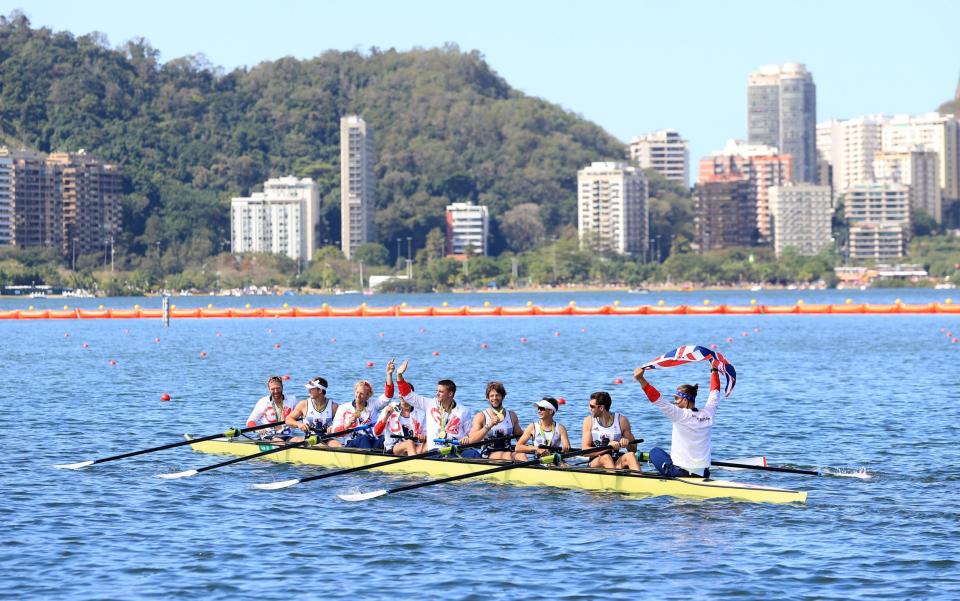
(314, 414)
(361, 412)
(272, 408)
(602, 428)
(543, 432)
(496, 421)
(399, 423)
(691, 443)
(444, 419)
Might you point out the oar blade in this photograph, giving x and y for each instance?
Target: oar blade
(73, 466)
(363, 496)
(175, 475)
(276, 485)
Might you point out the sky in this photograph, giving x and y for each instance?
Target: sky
(630, 67)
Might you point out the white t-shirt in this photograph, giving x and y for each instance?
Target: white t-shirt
(348, 417)
(691, 444)
(264, 412)
(438, 423)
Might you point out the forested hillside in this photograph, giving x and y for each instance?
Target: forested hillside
(189, 135)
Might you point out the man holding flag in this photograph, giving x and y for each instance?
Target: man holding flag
(691, 442)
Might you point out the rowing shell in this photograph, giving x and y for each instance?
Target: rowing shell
(621, 481)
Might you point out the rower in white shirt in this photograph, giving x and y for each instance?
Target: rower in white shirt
(273, 408)
(361, 412)
(691, 444)
(444, 419)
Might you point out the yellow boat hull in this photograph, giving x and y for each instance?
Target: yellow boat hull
(560, 477)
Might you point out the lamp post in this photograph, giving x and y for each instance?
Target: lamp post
(398, 250)
(409, 258)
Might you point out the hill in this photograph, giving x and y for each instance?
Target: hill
(189, 135)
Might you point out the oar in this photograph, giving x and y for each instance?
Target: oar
(766, 468)
(546, 460)
(308, 441)
(231, 433)
(442, 451)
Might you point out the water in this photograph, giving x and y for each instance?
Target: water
(849, 391)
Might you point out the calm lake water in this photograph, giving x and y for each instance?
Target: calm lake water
(846, 391)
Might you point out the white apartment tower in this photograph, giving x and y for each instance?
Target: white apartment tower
(281, 220)
(612, 208)
(782, 112)
(919, 169)
(468, 226)
(878, 215)
(801, 216)
(933, 132)
(665, 152)
(357, 200)
(849, 147)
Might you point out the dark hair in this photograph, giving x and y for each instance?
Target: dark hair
(449, 385)
(498, 386)
(602, 397)
(690, 390)
(276, 379)
(321, 381)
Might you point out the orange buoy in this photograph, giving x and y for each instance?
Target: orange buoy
(561, 401)
(164, 397)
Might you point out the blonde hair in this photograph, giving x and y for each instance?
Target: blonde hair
(361, 384)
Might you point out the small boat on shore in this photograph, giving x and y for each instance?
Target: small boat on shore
(580, 478)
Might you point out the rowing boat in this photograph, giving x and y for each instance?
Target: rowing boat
(620, 481)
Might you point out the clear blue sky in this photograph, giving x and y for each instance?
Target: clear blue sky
(630, 67)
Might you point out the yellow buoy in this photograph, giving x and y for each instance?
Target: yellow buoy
(445, 304)
(100, 307)
(172, 307)
(287, 306)
(403, 304)
(706, 301)
(897, 301)
(616, 303)
(799, 301)
(209, 305)
(529, 303)
(65, 307)
(573, 303)
(485, 303)
(137, 307)
(660, 303)
(753, 301)
(30, 308)
(849, 301)
(948, 301)
(324, 305)
(246, 306)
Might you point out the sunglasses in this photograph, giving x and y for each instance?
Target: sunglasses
(541, 408)
(592, 406)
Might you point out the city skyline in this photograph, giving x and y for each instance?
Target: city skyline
(855, 75)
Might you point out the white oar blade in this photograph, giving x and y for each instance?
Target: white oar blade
(276, 485)
(747, 462)
(363, 496)
(73, 466)
(175, 475)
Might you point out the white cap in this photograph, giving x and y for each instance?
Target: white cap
(315, 384)
(548, 402)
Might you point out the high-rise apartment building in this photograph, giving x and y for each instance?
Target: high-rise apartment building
(91, 193)
(725, 213)
(612, 208)
(933, 132)
(849, 147)
(782, 112)
(357, 187)
(67, 201)
(919, 169)
(878, 215)
(281, 220)
(801, 215)
(665, 152)
(763, 165)
(468, 226)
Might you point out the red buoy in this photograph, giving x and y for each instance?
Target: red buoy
(556, 333)
(369, 363)
(729, 338)
(714, 345)
(164, 397)
(745, 334)
(66, 334)
(286, 377)
(380, 334)
(436, 353)
(203, 354)
(85, 345)
(113, 362)
(483, 345)
(618, 381)
(561, 400)
(333, 340)
(277, 345)
(523, 339)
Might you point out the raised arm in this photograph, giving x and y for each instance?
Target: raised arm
(652, 393)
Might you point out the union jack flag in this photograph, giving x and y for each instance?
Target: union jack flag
(692, 354)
